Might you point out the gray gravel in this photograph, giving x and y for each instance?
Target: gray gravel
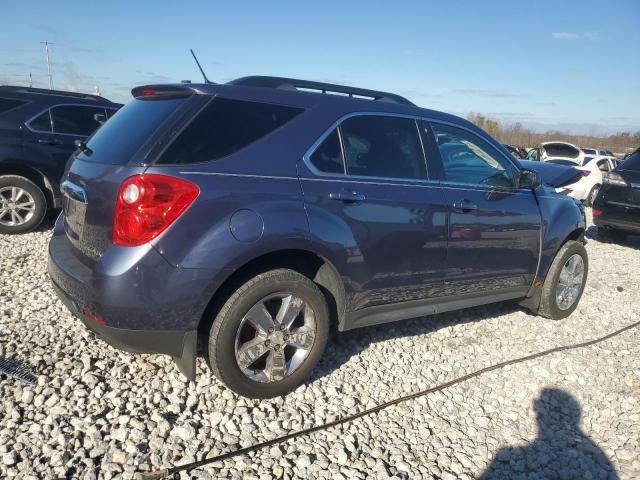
(96, 412)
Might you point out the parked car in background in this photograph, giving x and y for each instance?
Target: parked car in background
(518, 152)
(586, 188)
(616, 209)
(249, 216)
(37, 132)
(591, 153)
(557, 151)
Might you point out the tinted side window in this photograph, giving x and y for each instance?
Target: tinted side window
(224, 127)
(9, 103)
(42, 122)
(76, 120)
(377, 146)
(328, 156)
(467, 158)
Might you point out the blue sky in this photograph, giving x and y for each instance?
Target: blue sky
(549, 64)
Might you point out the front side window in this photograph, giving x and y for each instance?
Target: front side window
(381, 146)
(42, 123)
(603, 165)
(76, 120)
(328, 156)
(223, 127)
(467, 158)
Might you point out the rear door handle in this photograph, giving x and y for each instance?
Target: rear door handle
(46, 141)
(347, 196)
(465, 205)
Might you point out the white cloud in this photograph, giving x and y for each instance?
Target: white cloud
(565, 36)
(574, 35)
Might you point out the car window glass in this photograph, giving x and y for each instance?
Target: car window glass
(469, 159)
(7, 104)
(328, 156)
(42, 123)
(224, 127)
(603, 165)
(76, 120)
(632, 162)
(111, 112)
(379, 146)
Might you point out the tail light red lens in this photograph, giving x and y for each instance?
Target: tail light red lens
(586, 173)
(596, 212)
(147, 205)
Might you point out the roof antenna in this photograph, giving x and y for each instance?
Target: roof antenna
(204, 75)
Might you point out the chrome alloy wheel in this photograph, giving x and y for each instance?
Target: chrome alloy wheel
(17, 206)
(570, 282)
(275, 337)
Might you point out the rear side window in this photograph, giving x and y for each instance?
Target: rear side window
(42, 123)
(77, 120)
(328, 156)
(224, 127)
(377, 146)
(7, 104)
(123, 135)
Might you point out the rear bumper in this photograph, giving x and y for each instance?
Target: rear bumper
(135, 301)
(626, 220)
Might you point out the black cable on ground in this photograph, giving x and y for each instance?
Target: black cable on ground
(158, 474)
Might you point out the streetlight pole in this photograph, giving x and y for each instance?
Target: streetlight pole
(46, 52)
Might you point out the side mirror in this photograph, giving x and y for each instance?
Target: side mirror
(528, 178)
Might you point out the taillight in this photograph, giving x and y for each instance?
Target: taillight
(613, 178)
(596, 212)
(147, 204)
(586, 173)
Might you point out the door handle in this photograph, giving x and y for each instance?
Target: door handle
(465, 205)
(45, 141)
(347, 196)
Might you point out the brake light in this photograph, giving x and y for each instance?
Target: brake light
(596, 212)
(147, 204)
(586, 173)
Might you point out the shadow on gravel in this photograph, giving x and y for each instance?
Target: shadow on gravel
(631, 241)
(341, 346)
(561, 450)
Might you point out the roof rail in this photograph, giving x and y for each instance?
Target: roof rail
(46, 91)
(319, 87)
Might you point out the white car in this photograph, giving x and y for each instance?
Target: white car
(586, 188)
(557, 151)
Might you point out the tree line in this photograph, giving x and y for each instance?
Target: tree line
(516, 134)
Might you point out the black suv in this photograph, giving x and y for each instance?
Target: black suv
(38, 129)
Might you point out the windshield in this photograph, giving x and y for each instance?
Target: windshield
(118, 140)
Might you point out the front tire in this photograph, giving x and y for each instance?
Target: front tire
(269, 335)
(565, 281)
(22, 204)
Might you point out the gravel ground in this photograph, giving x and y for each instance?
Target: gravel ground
(96, 412)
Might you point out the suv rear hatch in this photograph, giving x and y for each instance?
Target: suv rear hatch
(121, 148)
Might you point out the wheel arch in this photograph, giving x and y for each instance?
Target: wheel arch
(306, 262)
(33, 174)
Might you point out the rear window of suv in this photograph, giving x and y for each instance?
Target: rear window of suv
(118, 140)
(223, 127)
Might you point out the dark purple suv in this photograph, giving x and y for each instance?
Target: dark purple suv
(240, 221)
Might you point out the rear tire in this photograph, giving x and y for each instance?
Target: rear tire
(592, 195)
(22, 204)
(554, 302)
(276, 370)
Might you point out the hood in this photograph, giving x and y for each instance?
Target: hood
(553, 174)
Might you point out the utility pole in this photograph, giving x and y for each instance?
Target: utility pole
(46, 52)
